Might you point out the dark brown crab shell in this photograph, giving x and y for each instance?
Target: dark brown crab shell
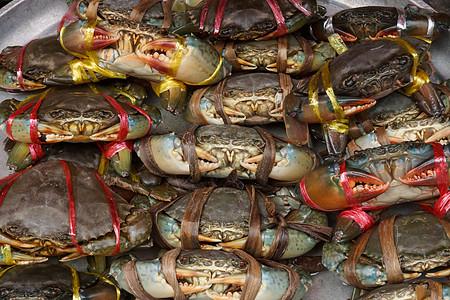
(243, 20)
(36, 205)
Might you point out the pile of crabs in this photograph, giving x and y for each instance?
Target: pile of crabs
(199, 195)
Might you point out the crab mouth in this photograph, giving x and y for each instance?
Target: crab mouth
(424, 174)
(162, 54)
(221, 287)
(365, 186)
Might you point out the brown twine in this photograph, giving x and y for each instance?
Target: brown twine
(168, 264)
(218, 104)
(133, 282)
(282, 54)
(148, 159)
(436, 292)
(253, 245)
(382, 136)
(266, 164)
(194, 105)
(294, 278)
(253, 280)
(188, 147)
(91, 12)
(309, 55)
(390, 259)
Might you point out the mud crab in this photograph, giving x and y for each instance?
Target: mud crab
(141, 51)
(52, 281)
(421, 244)
(377, 68)
(44, 62)
(370, 22)
(416, 289)
(219, 226)
(78, 114)
(209, 274)
(217, 150)
(259, 98)
(301, 56)
(51, 194)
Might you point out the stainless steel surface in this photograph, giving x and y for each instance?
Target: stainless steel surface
(23, 20)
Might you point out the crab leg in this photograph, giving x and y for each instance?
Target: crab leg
(4, 239)
(22, 259)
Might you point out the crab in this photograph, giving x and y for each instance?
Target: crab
(221, 226)
(52, 281)
(209, 274)
(217, 150)
(370, 22)
(77, 215)
(421, 244)
(439, 290)
(78, 115)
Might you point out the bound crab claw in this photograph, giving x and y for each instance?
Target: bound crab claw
(323, 187)
(18, 258)
(206, 274)
(9, 81)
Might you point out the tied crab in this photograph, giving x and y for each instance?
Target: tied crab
(76, 211)
(79, 114)
(371, 22)
(421, 245)
(141, 51)
(52, 281)
(218, 150)
(209, 274)
(413, 290)
(44, 62)
(254, 223)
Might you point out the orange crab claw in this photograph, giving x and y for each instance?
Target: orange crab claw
(323, 187)
(345, 36)
(423, 174)
(388, 32)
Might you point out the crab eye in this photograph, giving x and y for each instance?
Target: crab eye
(4, 292)
(226, 32)
(51, 292)
(228, 93)
(207, 138)
(105, 114)
(184, 260)
(268, 25)
(112, 22)
(57, 114)
(351, 81)
(403, 60)
(242, 264)
(257, 143)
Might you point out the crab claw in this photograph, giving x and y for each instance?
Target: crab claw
(291, 163)
(442, 133)
(9, 81)
(299, 107)
(423, 174)
(72, 37)
(22, 259)
(190, 60)
(323, 187)
(238, 279)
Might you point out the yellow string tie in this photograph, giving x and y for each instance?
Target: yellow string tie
(103, 165)
(167, 83)
(7, 255)
(75, 283)
(125, 93)
(337, 43)
(313, 95)
(4, 271)
(28, 99)
(177, 57)
(106, 280)
(420, 79)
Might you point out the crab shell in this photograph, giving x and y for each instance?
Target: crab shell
(421, 245)
(223, 148)
(250, 19)
(224, 268)
(76, 114)
(44, 63)
(41, 193)
(50, 281)
(373, 69)
(376, 176)
(230, 226)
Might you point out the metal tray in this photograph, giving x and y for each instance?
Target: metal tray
(24, 20)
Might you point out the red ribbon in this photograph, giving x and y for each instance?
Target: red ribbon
(10, 179)
(11, 53)
(72, 214)
(36, 151)
(204, 14)
(34, 135)
(364, 220)
(348, 191)
(123, 118)
(113, 210)
(13, 115)
(278, 14)
(20, 64)
(299, 6)
(112, 148)
(69, 16)
(150, 121)
(442, 205)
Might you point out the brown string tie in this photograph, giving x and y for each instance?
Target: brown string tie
(138, 12)
(253, 245)
(382, 136)
(253, 280)
(168, 264)
(194, 105)
(436, 292)
(266, 164)
(156, 231)
(191, 218)
(294, 278)
(91, 11)
(188, 148)
(309, 55)
(133, 282)
(282, 54)
(390, 259)
(218, 103)
(148, 159)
